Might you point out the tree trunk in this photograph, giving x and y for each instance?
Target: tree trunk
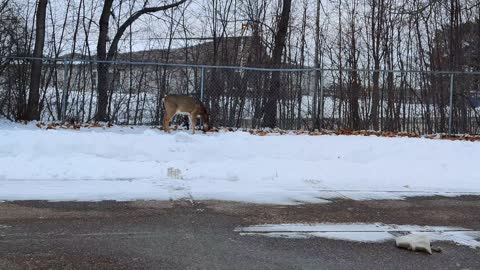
(354, 81)
(102, 68)
(33, 112)
(270, 116)
(377, 15)
(103, 55)
(317, 103)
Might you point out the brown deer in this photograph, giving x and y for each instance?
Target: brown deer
(186, 105)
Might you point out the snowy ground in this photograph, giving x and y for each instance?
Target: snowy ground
(123, 163)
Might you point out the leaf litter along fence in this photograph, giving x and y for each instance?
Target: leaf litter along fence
(422, 102)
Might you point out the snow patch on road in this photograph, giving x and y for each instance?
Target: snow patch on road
(363, 232)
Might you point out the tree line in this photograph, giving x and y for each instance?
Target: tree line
(363, 41)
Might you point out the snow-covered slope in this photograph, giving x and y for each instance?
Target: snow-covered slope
(124, 163)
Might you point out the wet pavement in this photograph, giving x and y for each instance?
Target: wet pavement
(200, 235)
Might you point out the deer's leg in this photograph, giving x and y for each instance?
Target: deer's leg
(166, 122)
(187, 123)
(193, 121)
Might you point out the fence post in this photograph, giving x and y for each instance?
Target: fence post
(321, 99)
(202, 84)
(64, 90)
(450, 113)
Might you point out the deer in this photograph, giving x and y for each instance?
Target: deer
(185, 105)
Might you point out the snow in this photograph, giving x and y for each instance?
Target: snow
(363, 232)
(415, 242)
(130, 163)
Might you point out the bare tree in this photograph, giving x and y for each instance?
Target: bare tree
(32, 111)
(270, 116)
(354, 83)
(317, 105)
(105, 56)
(377, 26)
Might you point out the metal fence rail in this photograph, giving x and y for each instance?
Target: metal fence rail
(414, 101)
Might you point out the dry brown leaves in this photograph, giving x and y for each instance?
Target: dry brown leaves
(74, 126)
(470, 138)
(258, 132)
(346, 132)
(261, 132)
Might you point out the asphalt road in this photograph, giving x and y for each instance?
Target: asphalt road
(182, 235)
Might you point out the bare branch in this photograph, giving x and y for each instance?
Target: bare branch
(133, 18)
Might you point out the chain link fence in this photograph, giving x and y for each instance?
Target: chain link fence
(246, 97)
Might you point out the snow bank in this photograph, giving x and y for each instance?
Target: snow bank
(142, 163)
